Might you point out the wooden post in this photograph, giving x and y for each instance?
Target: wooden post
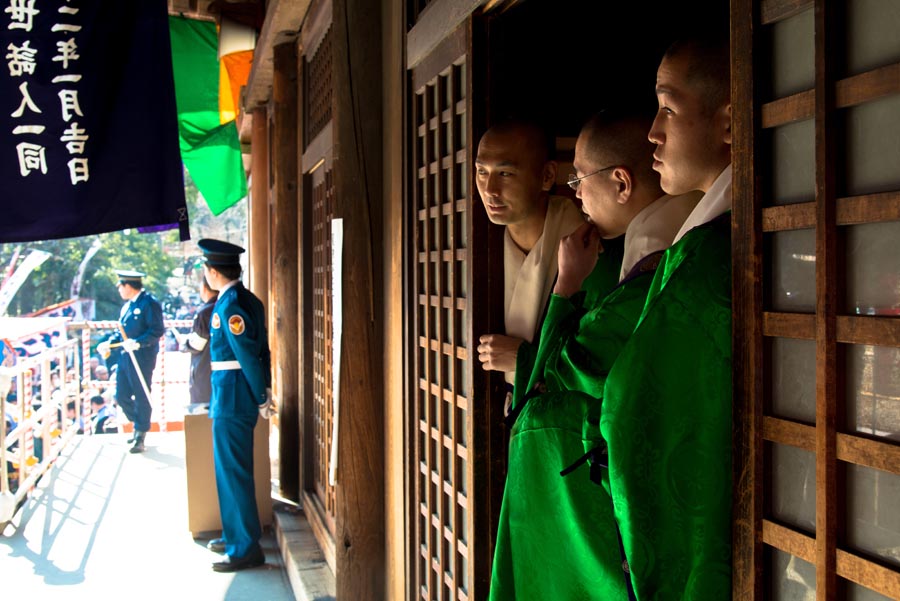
(394, 29)
(283, 279)
(258, 225)
(359, 520)
(747, 303)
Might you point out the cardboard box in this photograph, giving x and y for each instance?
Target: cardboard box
(203, 500)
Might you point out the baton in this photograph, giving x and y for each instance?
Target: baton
(134, 360)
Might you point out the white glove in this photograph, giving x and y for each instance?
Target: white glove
(130, 345)
(268, 409)
(103, 349)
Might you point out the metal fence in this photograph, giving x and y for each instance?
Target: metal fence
(52, 392)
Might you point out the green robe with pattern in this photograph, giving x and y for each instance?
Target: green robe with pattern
(666, 420)
(556, 537)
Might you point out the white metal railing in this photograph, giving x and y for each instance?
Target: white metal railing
(43, 428)
(40, 433)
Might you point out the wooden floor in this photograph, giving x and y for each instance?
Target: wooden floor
(105, 524)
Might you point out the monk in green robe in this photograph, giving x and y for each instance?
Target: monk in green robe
(666, 414)
(515, 173)
(556, 536)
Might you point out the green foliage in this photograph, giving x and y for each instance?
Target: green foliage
(160, 255)
(51, 282)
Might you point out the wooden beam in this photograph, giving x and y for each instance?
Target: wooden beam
(828, 380)
(881, 331)
(869, 574)
(790, 433)
(747, 343)
(283, 280)
(306, 324)
(850, 91)
(357, 130)
(258, 215)
(851, 210)
(778, 10)
(877, 454)
(789, 325)
(282, 24)
(789, 540)
(435, 24)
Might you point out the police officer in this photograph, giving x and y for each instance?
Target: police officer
(142, 321)
(197, 344)
(240, 362)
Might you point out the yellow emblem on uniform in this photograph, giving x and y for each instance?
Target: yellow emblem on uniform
(236, 325)
(215, 321)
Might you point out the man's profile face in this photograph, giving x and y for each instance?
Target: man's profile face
(692, 141)
(596, 192)
(125, 291)
(510, 177)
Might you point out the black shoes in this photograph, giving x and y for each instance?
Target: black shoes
(138, 446)
(233, 564)
(216, 545)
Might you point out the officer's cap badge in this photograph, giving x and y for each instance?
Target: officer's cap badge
(236, 325)
(215, 321)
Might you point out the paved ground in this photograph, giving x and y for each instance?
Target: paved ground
(105, 524)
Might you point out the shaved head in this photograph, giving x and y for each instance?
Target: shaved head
(621, 139)
(540, 144)
(708, 67)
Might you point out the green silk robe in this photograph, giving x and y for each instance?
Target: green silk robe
(666, 420)
(556, 537)
(598, 284)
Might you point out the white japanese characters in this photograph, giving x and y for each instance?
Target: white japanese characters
(23, 61)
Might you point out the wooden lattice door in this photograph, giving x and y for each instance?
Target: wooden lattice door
(447, 415)
(316, 216)
(816, 99)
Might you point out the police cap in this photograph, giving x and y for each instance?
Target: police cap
(128, 276)
(219, 253)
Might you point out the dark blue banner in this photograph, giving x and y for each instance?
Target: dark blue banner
(88, 126)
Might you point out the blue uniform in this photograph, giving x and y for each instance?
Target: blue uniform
(239, 351)
(199, 381)
(142, 320)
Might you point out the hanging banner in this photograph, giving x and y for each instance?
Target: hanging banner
(211, 150)
(88, 128)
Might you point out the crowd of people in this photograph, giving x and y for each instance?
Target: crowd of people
(617, 345)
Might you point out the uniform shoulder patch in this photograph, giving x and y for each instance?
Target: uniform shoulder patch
(236, 325)
(216, 323)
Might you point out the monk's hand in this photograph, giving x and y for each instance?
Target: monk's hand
(577, 257)
(498, 352)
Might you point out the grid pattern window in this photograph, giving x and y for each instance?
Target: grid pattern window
(322, 214)
(817, 298)
(317, 96)
(440, 411)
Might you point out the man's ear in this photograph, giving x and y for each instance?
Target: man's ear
(725, 116)
(624, 180)
(548, 175)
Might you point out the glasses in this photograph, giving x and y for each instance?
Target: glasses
(575, 182)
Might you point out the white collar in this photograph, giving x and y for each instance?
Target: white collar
(715, 202)
(654, 227)
(230, 284)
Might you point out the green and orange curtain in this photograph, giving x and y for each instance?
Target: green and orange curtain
(207, 96)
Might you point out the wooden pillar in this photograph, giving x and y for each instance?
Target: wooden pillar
(258, 218)
(305, 318)
(359, 521)
(393, 61)
(283, 279)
